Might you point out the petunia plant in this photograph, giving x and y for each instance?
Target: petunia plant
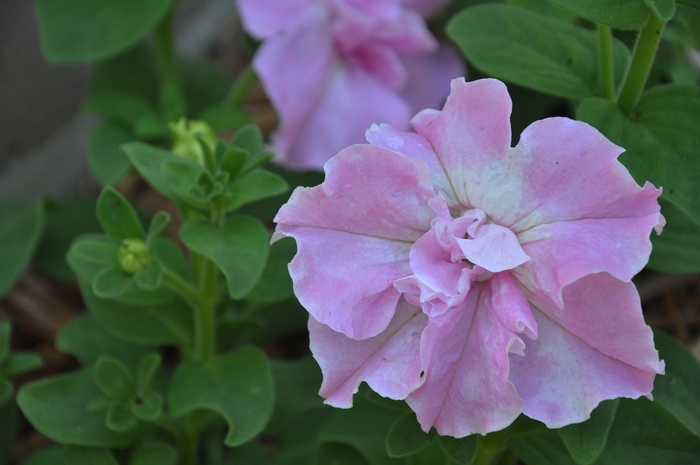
(456, 286)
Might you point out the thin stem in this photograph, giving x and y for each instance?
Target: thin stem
(242, 86)
(179, 285)
(171, 93)
(188, 444)
(642, 59)
(607, 73)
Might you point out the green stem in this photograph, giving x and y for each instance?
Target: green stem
(188, 445)
(241, 87)
(171, 93)
(607, 73)
(179, 285)
(642, 59)
(205, 313)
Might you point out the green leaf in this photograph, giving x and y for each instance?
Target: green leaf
(239, 249)
(296, 388)
(677, 248)
(275, 283)
(46, 456)
(149, 277)
(87, 272)
(57, 407)
(64, 222)
(111, 282)
(21, 362)
(203, 84)
(248, 138)
(620, 14)
(107, 161)
(96, 249)
(114, 379)
(120, 418)
(406, 437)
(8, 428)
(253, 186)
(585, 441)
(122, 108)
(363, 427)
(545, 7)
(153, 454)
(462, 450)
(158, 224)
(87, 340)
(88, 30)
(237, 385)
(677, 389)
(5, 332)
(339, 454)
(533, 50)
(148, 161)
(6, 391)
(150, 407)
(663, 9)
(181, 174)
(662, 144)
(88, 456)
(117, 216)
(20, 230)
(691, 3)
(132, 72)
(148, 366)
(224, 117)
(233, 160)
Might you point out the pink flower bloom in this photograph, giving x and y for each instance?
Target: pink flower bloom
(333, 67)
(475, 280)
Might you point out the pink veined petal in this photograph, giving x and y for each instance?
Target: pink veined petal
(429, 75)
(296, 69)
(469, 137)
(494, 248)
(565, 251)
(596, 348)
(389, 362)
(353, 234)
(565, 170)
(465, 358)
(353, 101)
(415, 146)
(263, 18)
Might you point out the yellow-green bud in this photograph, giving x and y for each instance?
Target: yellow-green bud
(185, 142)
(133, 255)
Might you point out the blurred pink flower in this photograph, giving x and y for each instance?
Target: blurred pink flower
(475, 280)
(333, 67)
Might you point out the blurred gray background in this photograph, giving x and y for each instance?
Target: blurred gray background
(43, 135)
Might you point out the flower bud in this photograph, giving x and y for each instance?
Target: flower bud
(185, 143)
(133, 255)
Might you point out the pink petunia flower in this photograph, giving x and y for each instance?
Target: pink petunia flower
(475, 280)
(333, 67)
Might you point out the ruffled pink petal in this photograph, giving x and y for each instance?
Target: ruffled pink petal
(493, 248)
(353, 101)
(466, 139)
(465, 358)
(565, 251)
(389, 362)
(415, 146)
(296, 69)
(596, 348)
(263, 18)
(353, 234)
(429, 76)
(565, 170)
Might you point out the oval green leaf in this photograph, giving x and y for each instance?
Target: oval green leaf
(620, 14)
(20, 230)
(406, 437)
(585, 441)
(117, 216)
(533, 50)
(239, 249)
(237, 385)
(89, 30)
